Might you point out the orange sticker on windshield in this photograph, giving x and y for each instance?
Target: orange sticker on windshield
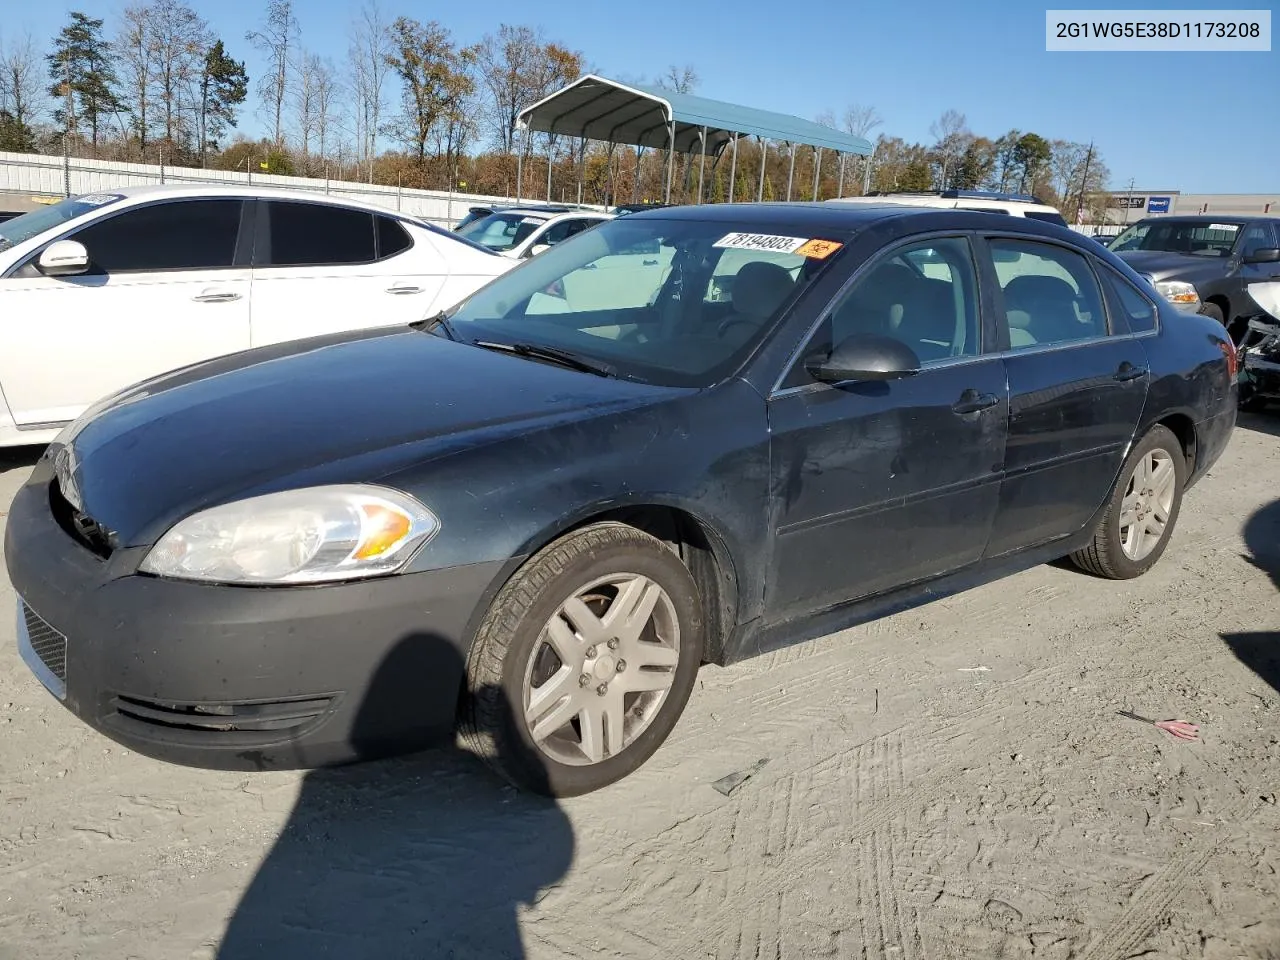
(819, 249)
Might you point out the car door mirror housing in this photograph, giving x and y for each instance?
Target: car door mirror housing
(538, 248)
(865, 357)
(63, 258)
(1264, 255)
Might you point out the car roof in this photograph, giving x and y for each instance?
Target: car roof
(1207, 218)
(816, 215)
(247, 191)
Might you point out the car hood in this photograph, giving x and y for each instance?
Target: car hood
(1162, 265)
(340, 409)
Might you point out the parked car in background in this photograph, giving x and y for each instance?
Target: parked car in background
(622, 209)
(480, 212)
(522, 232)
(1260, 349)
(544, 525)
(981, 201)
(1205, 264)
(102, 290)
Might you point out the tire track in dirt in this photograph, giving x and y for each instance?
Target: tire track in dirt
(1127, 933)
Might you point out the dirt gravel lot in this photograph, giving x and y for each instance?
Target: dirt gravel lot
(951, 782)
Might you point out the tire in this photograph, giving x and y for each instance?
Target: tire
(1107, 555)
(517, 654)
(1213, 312)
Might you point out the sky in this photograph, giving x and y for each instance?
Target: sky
(1194, 122)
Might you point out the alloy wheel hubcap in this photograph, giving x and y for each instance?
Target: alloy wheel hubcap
(1147, 505)
(601, 669)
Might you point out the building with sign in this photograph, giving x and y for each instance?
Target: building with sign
(1128, 206)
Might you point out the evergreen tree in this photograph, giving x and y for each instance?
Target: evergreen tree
(83, 78)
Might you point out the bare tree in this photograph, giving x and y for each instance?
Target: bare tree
(433, 74)
(304, 95)
(367, 55)
(181, 40)
(680, 79)
(21, 88)
(510, 68)
(325, 82)
(276, 39)
(951, 135)
(135, 45)
(860, 120)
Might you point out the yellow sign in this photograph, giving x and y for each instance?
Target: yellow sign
(263, 165)
(819, 249)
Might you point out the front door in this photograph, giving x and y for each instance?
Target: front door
(163, 290)
(1076, 392)
(876, 484)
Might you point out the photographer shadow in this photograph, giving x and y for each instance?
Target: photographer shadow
(420, 857)
(1260, 650)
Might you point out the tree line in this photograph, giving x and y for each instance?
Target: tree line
(411, 104)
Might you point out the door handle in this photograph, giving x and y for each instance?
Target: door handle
(971, 401)
(402, 290)
(216, 296)
(1129, 372)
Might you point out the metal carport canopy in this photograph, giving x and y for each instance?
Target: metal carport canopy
(598, 108)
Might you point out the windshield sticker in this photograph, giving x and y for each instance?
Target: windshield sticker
(1229, 227)
(761, 241)
(531, 220)
(819, 249)
(98, 199)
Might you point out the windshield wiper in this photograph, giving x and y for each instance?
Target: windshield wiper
(539, 352)
(441, 320)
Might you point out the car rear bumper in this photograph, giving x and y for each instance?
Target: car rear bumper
(237, 677)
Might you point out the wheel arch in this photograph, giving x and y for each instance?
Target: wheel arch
(697, 541)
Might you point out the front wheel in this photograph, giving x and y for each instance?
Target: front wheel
(1143, 509)
(584, 662)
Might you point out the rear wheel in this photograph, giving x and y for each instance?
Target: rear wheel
(1142, 512)
(584, 662)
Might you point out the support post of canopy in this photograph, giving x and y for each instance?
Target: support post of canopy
(550, 157)
(764, 161)
(791, 174)
(671, 160)
(733, 167)
(817, 170)
(840, 182)
(702, 160)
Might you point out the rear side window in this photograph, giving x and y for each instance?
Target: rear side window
(1047, 216)
(1137, 312)
(178, 235)
(392, 238)
(311, 234)
(1050, 293)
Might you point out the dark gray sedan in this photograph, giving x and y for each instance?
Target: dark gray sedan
(689, 435)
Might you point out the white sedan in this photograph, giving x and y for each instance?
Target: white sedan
(103, 290)
(523, 232)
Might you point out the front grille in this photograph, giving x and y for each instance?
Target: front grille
(272, 716)
(83, 528)
(46, 643)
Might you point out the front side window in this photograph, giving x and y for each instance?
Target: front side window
(177, 235)
(313, 234)
(924, 295)
(1050, 293)
(632, 294)
(1257, 236)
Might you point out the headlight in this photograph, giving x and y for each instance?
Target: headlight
(1178, 291)
(296, 536)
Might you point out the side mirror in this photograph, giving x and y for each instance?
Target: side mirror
(1264, 255)
(865, 357)
(63, 258)
(538, 248)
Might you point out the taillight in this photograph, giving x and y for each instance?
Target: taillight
(1233, 360)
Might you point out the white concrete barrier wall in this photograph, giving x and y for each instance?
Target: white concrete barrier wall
(44, 176)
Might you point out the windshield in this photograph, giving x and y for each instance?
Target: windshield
(1198, 237)
(672, 302)
(501, 231)
(15, 231)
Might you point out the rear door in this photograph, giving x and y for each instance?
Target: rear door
(1076, 390)
(320, 268)
(165, 288)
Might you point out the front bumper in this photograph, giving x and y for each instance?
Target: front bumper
(239, 677)
(1262, 375)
